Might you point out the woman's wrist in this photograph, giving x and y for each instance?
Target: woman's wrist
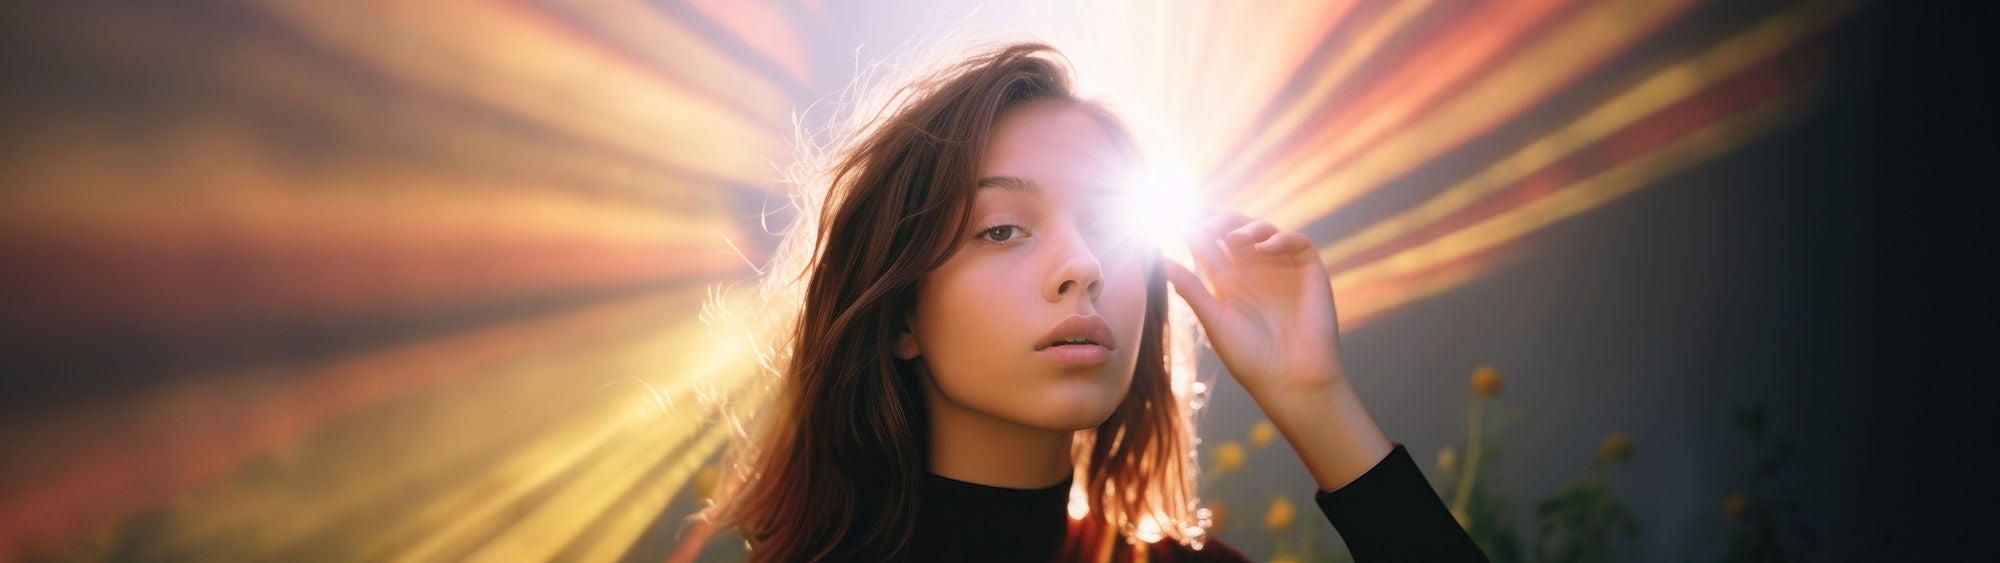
(1330, 430)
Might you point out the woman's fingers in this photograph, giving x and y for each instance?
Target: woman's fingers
(1240, 237)
(1251, 233)
(1246, 234)
(1207, 256)
(1191, 289)
(1284, 243)
(1223, 221)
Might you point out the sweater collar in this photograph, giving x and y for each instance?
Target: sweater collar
(958, 517)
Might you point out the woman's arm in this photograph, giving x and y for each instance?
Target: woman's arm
(1390, 514)
(1266, 303)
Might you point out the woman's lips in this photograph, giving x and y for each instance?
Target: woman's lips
(1076, 355)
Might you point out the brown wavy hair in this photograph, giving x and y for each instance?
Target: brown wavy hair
(832, 468)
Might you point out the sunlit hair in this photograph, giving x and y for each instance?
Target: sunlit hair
(830, 448)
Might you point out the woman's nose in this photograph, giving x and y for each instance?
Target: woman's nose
(1078, 271)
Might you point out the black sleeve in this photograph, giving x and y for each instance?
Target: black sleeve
(1391, 514)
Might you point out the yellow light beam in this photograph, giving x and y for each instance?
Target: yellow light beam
(645, 502)
(765, 28)
(672, 45)
(1589, 193)
(546, 75)
(1365, 44)
(1370, 302)
(1306, 186)
(1672, 83)
(1260, 59)
(587, 494)
(338, 243)
(223, 179)
(275, 414)
(1478, 36)
(489, 503)
(475, 509)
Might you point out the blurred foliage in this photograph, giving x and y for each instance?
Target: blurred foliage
(1581, 520)
(1486, 511)
(1766, 527)
(1578, 523)
(1489, 513)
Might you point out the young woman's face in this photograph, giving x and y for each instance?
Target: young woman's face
(1037, 264)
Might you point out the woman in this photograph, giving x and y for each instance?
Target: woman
(980, 366)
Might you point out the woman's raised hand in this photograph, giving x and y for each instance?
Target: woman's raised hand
(1267, 305)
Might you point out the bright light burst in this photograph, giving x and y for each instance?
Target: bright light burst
(1157, 209)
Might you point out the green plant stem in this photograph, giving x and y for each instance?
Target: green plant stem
(1471, 470)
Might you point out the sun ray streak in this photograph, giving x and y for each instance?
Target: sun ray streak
(1585, 194)
(547, 75)
(1674, 82)
(1364, 44)
(1310, 186)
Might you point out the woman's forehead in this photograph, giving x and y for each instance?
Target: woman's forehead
(1080, 195)
(1052, 150)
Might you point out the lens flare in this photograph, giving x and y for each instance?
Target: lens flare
(1156, 208)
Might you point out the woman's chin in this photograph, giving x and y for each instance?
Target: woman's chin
(1076, 405)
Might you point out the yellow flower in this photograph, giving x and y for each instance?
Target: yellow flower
(1486, 381)
(1263, 433)
(1464, 520)
(1229, 456)
(704, 481)
(1734, 505)
(1279, 517)
(1616, 447)
(1447, 459)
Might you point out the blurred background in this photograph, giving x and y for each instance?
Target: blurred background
(371, 280)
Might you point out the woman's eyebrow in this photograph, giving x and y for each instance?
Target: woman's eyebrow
(1011, 183)
(1024, 185)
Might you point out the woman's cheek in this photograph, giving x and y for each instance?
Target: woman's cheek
(1129, 302)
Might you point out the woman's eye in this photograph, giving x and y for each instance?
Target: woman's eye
(1001, 233)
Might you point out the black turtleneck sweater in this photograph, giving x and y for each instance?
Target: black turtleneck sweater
(1387, 514)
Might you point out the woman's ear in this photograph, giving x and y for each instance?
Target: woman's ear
(906, 343)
